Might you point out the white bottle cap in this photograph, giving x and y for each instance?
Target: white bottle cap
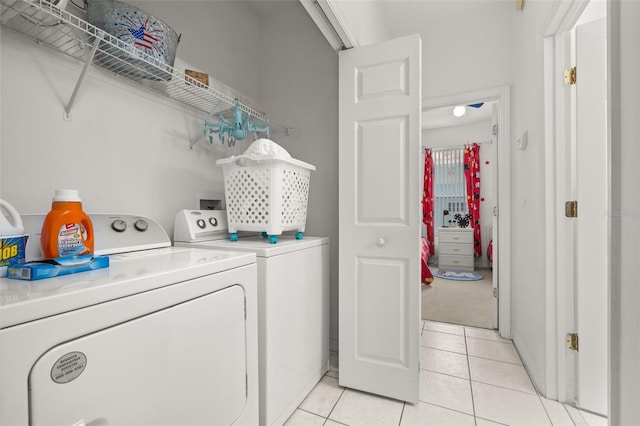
(66, 195)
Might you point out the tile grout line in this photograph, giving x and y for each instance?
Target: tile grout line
(544, 407)
(404, 404)
(308, 412)
(564, 405)
(473, 402)
(446, 374)
(447, 408)
(334, 405)
(445, 350)
(506, 388)
(503, 341)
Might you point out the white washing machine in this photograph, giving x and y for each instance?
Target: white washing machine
(163, 336)
(293, 307)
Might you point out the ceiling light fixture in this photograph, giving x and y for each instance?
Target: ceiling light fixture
(459, 111)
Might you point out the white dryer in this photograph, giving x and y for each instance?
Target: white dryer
(163, 336)
(293, 307)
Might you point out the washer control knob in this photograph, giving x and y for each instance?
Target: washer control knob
(119, 225)
(201, 223)
(141, 225)
(213, 221)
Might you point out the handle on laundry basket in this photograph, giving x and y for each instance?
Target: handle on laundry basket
(100, 421)
(243, 161)
(247, 160)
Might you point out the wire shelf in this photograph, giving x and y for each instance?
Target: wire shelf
(44, 23)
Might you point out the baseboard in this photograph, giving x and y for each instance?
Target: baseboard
(536, 376)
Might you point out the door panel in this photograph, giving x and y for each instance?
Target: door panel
(388, 175)
(379, 288)
(379, 163)
(592, 223)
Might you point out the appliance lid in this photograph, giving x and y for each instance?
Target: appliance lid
(261, 246)
(127, 274)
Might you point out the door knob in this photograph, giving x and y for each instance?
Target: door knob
(381, 242)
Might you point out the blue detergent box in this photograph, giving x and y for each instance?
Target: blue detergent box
(12, 252)
(38, 270)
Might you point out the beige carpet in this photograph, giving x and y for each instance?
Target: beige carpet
(459, 302)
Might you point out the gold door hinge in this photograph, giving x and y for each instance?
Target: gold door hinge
(570, 76)
(572, 341)
(496, 292)
(495, 130)
(571, 209)
(495, 211)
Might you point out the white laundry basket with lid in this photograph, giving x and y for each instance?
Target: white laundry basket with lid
(266, 191)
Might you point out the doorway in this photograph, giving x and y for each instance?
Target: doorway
(495, 209)
(462, 289)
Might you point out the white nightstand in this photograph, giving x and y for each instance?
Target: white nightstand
(455, 249)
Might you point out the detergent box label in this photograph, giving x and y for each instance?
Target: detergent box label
(12, 251)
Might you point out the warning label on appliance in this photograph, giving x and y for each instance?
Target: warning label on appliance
(68, 367)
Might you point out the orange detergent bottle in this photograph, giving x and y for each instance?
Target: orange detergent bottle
(67, 231)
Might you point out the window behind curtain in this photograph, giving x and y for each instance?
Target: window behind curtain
(448, 184)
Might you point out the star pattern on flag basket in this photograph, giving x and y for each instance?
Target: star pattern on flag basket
(143, 38)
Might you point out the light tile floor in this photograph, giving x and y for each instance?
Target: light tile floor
(469, 376)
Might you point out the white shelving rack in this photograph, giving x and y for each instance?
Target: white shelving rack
(58, 29)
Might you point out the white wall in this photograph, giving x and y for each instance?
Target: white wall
(527, 189)
(467, 52)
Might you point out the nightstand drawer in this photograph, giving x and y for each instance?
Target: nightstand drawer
(456, 249)
(455, 263)
(456, 236)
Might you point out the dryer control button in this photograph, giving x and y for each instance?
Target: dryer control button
(201, 223)
(119, 225)
(141, 225)
(213, 221)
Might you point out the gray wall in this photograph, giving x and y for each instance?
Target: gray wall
(300, 89)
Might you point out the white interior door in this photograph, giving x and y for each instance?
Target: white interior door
(379, 195)
(592, 157)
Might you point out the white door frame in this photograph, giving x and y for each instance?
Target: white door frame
(502, 250)
(559, 187)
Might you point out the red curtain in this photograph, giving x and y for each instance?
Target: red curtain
(472, 177)
(427, 199)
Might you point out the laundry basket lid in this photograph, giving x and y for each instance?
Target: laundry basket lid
(262, 150)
